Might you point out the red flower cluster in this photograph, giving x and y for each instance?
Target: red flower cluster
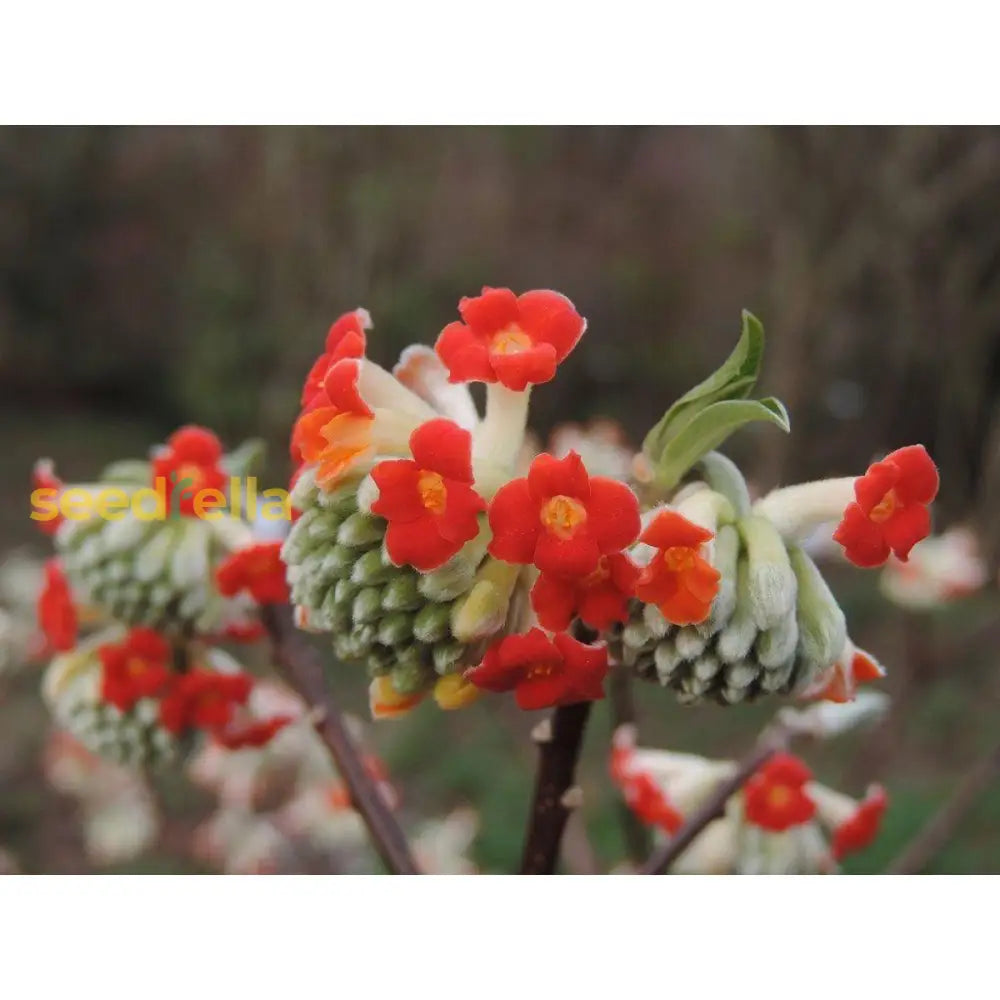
(510, 339)
(543, 671)
(856, 833)
(678, 579)
(429, 500)
(189, 463)
(775, 797)
(203, 699)
(259, 570)
(57, 616)
(138, 667)
(891, 509)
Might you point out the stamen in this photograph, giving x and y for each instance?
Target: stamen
(433, 492)
(562, 515)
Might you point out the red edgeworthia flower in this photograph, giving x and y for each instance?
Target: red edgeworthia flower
(561, 519)
(337, 429)
(189, 463)
(598, 600)
(138, 667)
(57, 616)
(543, 671)
(252, 734)
(203, 699)
(775, 797)
(890, 513)
(840, 682)
(646, 799)
(258, 569)
(428, 500)
(43, 477)
(678, 579)
(859, 831)
(516, 340)
(345, 339)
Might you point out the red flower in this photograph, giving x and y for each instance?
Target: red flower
(138, 667)
(646, 799)
(839, 683)
(514, 340)
(252, 734)
(678, 579)
(345, 339)
(56, 612)
(258, 569)
(598, 600)
(775, 797)
(891, 513)
(561, 519)
(428, 500)
(189, 463)
(203, 699)
(43, 477)
(335, 430)
(859, 831)
(543, 671)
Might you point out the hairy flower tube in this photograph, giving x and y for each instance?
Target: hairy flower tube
(543, 671)
(429, 501)
(890, 512)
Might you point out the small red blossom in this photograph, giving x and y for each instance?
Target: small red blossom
(57, 616)
(43, 477)
(598, 600)
(252, 734)
(345, 339)
(891, 509)
(335, 429)
(203, 699)
(648, 802)
(429, 500)
(678, 579)
(856, 833)
(138, 667)
(189, 464)
(775, 797)
(543, 671)
(839, 684)
(561, 519)
(516, 340)
(259, 570)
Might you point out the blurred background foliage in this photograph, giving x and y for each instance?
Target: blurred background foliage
(155, 276)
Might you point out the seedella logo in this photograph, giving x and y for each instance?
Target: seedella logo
(169, 497)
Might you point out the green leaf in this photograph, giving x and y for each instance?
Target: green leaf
(735, 378)
(708, 428)
(246, 459)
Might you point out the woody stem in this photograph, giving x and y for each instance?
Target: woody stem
(771, 741)
(559, 750)
(303, 670)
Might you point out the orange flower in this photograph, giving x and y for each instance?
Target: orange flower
(385, 702)
(429, 501)
(859, 831)
(678, 579)
(839, 683)
(891, 509)
(775, 797)
(189, 463)
(258, 569)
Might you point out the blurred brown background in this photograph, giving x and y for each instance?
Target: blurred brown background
(154, 276)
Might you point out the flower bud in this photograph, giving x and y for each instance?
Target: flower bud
(772, 582)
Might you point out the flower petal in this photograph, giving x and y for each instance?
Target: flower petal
(551, 318)
(514, 521)
(443, 447)
(491, 311)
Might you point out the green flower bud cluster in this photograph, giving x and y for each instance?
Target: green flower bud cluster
(157, 573)
(72, 690)
(396, 621)
(773, 628)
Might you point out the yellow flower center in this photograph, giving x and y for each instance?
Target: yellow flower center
(562, 515)
(599, 575)
(885, 508)
(779, 796)
(136, 666)
(193, 472)
(510, 340)
(433, 492)
(679, 558)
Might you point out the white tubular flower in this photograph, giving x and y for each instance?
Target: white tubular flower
(424, 373)
(943, 568)
(798, 510)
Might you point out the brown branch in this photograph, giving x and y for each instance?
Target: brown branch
(927, 844)
(772, 740)
(559, 750)
(302, 668)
